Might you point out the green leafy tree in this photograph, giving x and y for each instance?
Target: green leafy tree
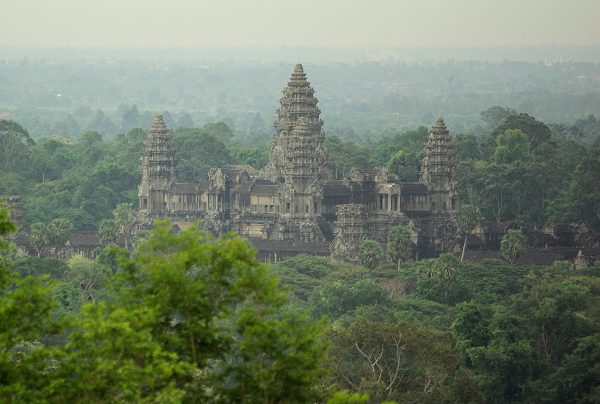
(38, 237)
(581, 198)
(537, 131)
(26, 305)
(397, 361)
(494, 116)
(444, 269)
(370, 254)
(512, 146)
(513, 244)
(108, 231)
(124, 219)
(468, 218)
(112, 354)
(185, 120)
(399, 245)
(58, 232)
(217, 308)
(87, 278)
(14, 145)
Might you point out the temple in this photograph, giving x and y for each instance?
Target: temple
(294, 205)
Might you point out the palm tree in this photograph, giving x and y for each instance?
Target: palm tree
(124, 218)
(444, 269)
(468, 218)
(38, 237)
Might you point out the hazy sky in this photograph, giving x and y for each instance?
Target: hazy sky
(338, 23)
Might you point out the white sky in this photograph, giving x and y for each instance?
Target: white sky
(314, 23)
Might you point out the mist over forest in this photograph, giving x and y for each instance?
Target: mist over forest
(361, 93)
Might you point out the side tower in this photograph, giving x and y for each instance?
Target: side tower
(157, 169)
(298, 160)
(439, 171)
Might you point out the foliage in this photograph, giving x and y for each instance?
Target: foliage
(513, 244)
(337, 299)
(468, 218)
(398, 362)
(512, 146)
(216, 308)
(518, 350)
(399, 246)
(370, 254)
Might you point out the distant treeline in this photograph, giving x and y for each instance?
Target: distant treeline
(67, 97)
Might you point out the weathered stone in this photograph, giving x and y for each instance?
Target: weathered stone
(295, 197)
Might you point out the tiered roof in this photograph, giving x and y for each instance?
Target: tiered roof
(298, 101)
(439, 152)
(158, 155)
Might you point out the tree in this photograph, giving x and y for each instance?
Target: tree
(87, 278)
(468, 218)
(108, 231)
(14, 144)
(512, 146)
(124, 219)
(513, 244)
(444, 269)
(130, 119)
(495, 115)
(218, 309)
(38, 236)
(185, 120)
(58, 232)
(370, 254)
(580, 201)
(399, 244)
(112, 353)
(537, 132)
(26, 307)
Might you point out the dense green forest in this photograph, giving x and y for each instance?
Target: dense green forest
(189, 317)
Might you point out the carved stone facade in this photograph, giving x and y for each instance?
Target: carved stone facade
(295, 200)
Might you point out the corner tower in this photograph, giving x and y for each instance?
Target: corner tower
(157, 169)
(439, 170)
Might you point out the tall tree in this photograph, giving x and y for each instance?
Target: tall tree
(468, 218)
(38, 236)
(58, 232)
(495, 115)
(513, 244)
(14, 144)
(370, 254)
(399, 245)
(124, 218)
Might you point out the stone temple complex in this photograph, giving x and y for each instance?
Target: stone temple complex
(295, 204)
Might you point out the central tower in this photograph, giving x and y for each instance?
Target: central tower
(297, 160)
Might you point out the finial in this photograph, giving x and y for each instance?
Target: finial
(158, 124)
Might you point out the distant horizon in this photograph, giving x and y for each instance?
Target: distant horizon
(317, 54)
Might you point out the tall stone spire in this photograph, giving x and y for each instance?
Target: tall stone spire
(439, 169)
(298, 101)
(157, 167)
(298, 150)
(298, 160)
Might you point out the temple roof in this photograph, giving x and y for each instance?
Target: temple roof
(158, 139)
